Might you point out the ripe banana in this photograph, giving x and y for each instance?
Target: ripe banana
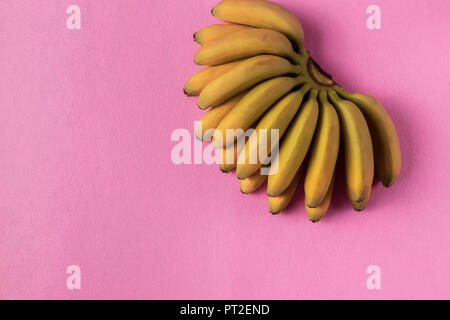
(244, 76)
(252, 106)
(278, 117)
(359, 161)
(216, 31)
(211, 119)
(361, 206)
(317, 213)
(229, 157)
(279, 203)
(262, 78)
(244, 44)
(261, 14)
(200, 79)
(252, 183)
(324, 153)
(294, 147)
(388, 160)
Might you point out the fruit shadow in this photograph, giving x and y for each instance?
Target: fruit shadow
(313, 38)
(297, 204)
(314, 41)
(398, 107)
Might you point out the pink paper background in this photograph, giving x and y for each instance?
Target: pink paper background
(86, 176)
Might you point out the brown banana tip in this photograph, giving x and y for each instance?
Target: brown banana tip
(387, 185)
(185, 92)
(243, 192)
(275, 213)
(314, 221)
(194, 36)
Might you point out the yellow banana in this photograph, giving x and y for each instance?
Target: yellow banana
(244, 76)
(277, 118)
(388, 160)
(324, 153)
(200, 79)
(317, 213)
(229, 157)
(244, 44)
(252, 106)
(294, 147)
(212, 118)
(359, 162)
(279, 203)
(216, 31)
(252, 183)
(361, 206)
(262, 14)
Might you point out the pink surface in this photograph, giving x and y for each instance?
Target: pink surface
(87, 179)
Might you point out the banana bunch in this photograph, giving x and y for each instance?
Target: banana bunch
(259, 76)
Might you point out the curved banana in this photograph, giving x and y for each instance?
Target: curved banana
(252, 183)
(324, 153)
(359, 161)
(213, 116)
(252, 106)
(261, 14)
(278, 117)
(279, 203)
(216, 31)
(388, 159)
(317, 213)
(200, 79)
(244, 76)
(244, 44)
(294, 147)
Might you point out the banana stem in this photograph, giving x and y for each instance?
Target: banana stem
(301, 57)
(342, 92)
(314, 93)
(334, 97)
(323, 97)
(303, 51)
(297, 58)
(298, 69)
(318, 75)
(301, 79)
